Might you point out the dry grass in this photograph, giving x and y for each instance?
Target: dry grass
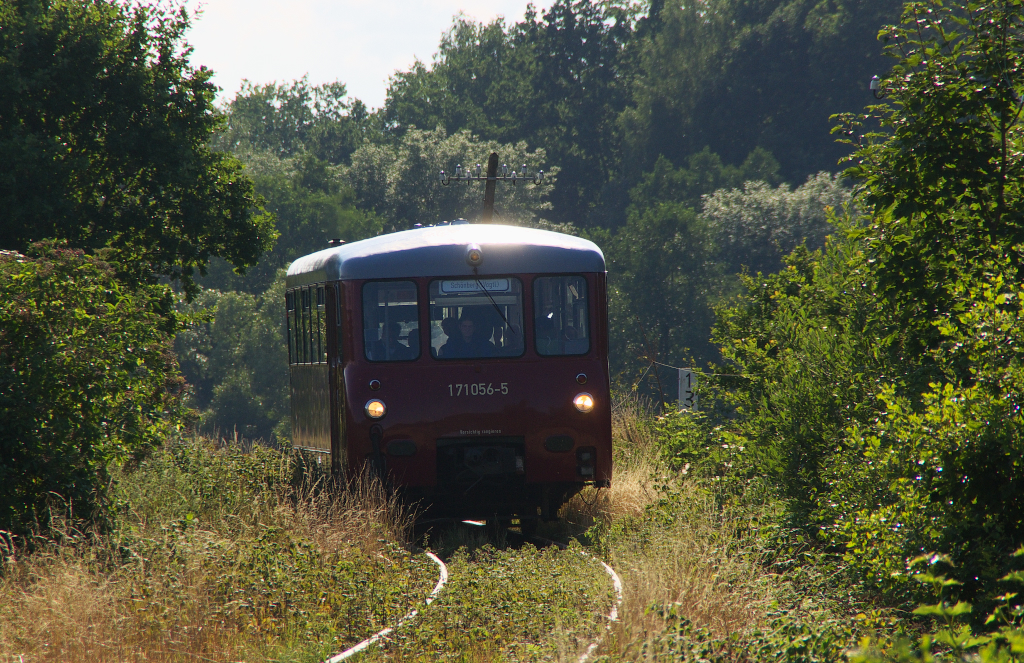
(706, 563)
(699, 556)
(631, 491)
(60, 607)
(163, 587)
(362, 513)
(635, 450)
(633, 432)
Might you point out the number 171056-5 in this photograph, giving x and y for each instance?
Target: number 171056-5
(477, 389)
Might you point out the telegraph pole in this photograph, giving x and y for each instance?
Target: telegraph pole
(491, 179)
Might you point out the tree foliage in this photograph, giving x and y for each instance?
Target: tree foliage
(556, 82)
(882, 376)
(236, 362)
(311, 203)
(670, 264)
(294, 120)
(757, 225)
(608, 88)
(738, 75)
(944, 173)
(662, 280)
(87, 379)
(104, 126)
(400, 181)
(802, 344)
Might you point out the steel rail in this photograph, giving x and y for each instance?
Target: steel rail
(380, 635)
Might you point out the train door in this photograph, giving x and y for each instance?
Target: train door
(336, 377)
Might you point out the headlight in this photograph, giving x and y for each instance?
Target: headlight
(375, 409)
(584, 402)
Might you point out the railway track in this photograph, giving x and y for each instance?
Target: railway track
(611, 617)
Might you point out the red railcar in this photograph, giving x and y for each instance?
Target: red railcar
(466, 363)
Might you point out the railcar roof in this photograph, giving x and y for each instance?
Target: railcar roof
(441, 251)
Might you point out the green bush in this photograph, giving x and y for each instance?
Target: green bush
(883, 452)
(951, 633)
(943, 474)
(794, 638)
(806, 356)
(87, 380)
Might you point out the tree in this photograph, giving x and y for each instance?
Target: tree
(806, 353)
(607, 88)
(311, 203)
(236, 362)
(756, 226)
(294, 120)
(734, 75)
(669, 265)
(943, 176)
(556, 83)
(942, 179)
(881, 378)
(662, 279)
(704, 175)
(104, 127)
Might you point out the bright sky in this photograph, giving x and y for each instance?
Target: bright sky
(358, 42)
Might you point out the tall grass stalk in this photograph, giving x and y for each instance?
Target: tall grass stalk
(217, 554)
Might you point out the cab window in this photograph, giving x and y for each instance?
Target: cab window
(474, 318)
(391, 321)
(561, 325)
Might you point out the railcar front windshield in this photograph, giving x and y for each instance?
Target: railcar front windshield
(476, 318)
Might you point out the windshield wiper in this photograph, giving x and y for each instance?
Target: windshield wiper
(495, 305)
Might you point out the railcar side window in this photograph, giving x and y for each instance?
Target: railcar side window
(391, 323)
(289, 306)
(337, 322)
(307, 327)
(306, 315)
(321, 325)
(560, 321)
(473, 318)
(297, 326)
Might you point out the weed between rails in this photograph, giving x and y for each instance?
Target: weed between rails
(218, 555)
(519, 605)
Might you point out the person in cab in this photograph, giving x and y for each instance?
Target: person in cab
(470, 343)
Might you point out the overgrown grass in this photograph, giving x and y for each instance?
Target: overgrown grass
(219, 554)
(518, 605)
(245, 554)
(709, 568)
